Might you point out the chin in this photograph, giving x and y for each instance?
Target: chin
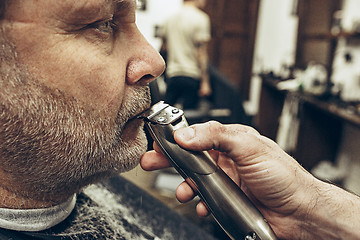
(134, 144)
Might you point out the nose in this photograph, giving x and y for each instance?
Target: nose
(145, 63)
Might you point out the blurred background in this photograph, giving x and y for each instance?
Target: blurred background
(289, 68)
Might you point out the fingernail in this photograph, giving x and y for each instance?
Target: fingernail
(185, 133)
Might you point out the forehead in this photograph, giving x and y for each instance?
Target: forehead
(64, 8)
(90, 6)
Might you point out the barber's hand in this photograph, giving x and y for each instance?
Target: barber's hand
(273, 180)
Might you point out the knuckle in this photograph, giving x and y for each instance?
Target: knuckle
(240, 129)
(215, 127)
(251, 130)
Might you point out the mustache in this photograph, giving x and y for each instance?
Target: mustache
(136, 100)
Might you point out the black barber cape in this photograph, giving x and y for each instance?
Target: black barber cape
(116, 209)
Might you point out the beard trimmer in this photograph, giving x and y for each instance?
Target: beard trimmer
(231, 208)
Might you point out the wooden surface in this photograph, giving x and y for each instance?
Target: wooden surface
(233, 37)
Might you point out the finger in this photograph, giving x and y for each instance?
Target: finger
(153, 160)
(184, 193)
(234, 138)
(202, 209)
(156, 147)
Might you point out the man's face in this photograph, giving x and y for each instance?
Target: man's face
(73, 75)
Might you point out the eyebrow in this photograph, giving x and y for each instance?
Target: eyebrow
(84, 10)
(123, 5)
(116, 4)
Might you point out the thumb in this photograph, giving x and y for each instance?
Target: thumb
(214, 135)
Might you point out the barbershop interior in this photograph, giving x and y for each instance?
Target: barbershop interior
(288, 68)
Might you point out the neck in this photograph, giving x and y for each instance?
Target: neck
(195, 4)
(11, 200)
(190, 3)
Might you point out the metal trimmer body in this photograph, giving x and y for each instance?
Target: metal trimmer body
(231, 208)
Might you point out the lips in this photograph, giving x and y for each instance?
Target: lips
(139, 112)
(136, 100)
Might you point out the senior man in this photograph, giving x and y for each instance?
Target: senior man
(73, 76)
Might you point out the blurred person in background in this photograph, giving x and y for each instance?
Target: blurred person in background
(185, 38)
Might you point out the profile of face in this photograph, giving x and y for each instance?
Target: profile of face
(73, 76)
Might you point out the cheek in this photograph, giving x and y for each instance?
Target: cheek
(95, 81)
(79, 68)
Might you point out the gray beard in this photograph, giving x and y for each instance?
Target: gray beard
(51, 146)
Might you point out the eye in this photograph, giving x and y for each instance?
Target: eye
(105, 26)
(101, 29)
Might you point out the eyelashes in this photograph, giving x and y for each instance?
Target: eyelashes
(107, 27)
(102, 29)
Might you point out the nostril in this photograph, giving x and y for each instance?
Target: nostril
(147, 78)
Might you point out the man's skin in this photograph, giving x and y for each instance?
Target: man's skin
(74, 74)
